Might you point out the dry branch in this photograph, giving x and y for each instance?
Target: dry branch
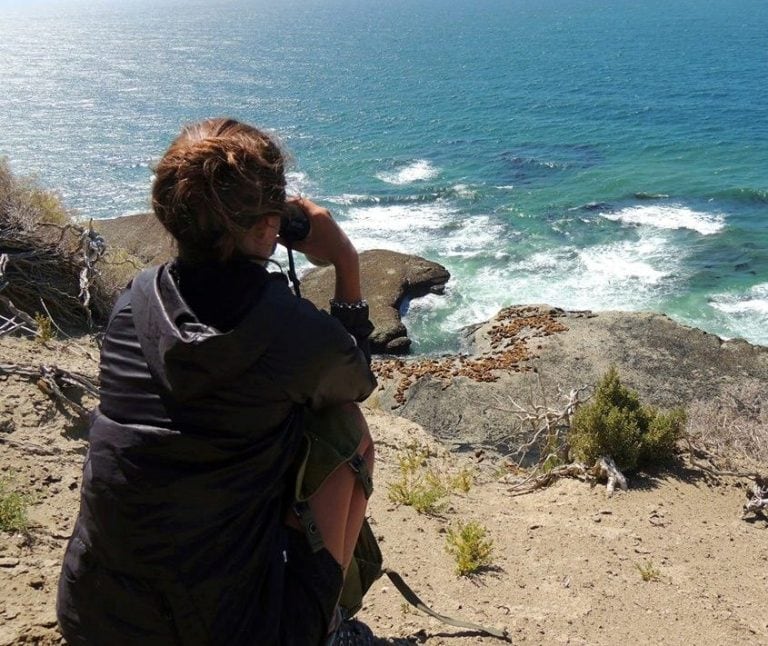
(535, 482)
(549, 426)
(51, 380)
(758, 498)
(53, 264)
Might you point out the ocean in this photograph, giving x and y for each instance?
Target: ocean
(582, 153)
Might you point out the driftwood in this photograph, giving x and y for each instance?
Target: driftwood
(603, 469)
(758, 498)
(53, 380)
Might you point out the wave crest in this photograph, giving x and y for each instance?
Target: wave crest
(417, 171)
(669, 217)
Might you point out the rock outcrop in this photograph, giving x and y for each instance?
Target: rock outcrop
(141, 235)
(525, 354)
(389, 279)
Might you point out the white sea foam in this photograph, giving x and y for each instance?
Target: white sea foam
(623, 275)
(746, 315)
(401, 227)
(298, 183)
(669, 217)
(470, 237)
(639, 264)
(753, 302)
(464, 191)
(347, 199)
(417, 171)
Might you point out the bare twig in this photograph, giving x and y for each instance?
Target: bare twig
(16, 312)
(695, 450)
(535, 482)
(548, 425)
(51, 380)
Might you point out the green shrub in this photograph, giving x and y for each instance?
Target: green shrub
(23, 202)
(664, 430)
(13, 509)
(616, 424)
(470, 546)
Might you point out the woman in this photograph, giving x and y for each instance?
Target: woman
(186, 532)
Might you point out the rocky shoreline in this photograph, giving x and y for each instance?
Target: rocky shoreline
(541, 352)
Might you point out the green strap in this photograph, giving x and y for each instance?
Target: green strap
(311, 530)
(410, 597)
(358, 465)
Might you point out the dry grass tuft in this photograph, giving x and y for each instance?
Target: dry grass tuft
(734, 425)
(48, 260)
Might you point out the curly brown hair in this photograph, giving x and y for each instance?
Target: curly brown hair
(217, 178)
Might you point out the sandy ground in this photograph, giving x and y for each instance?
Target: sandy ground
(565, 560)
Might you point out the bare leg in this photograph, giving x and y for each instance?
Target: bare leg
(339, 505)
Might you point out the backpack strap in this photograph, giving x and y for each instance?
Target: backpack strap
(308, 524)
(411, 597)
(358, 465)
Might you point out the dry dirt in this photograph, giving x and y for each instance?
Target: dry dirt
(565, 563)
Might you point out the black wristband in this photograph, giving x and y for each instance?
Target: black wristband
(355, 305)
(351, 315)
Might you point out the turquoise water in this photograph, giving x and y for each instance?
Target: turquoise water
(603, 155)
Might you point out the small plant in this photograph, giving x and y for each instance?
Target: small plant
(419, 486)
(425, 493)
(616, 424)
(463, 480)
(648, 571)
(13, 509)
(44, 328)
(414, 457)
(470, 546)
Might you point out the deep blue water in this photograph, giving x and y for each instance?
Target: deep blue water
(584, 153)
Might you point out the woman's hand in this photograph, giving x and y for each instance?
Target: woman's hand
(328, 242)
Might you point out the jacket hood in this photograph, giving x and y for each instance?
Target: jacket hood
(188, 357)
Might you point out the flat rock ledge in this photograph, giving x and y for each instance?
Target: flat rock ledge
(389, 279)
(532, 353)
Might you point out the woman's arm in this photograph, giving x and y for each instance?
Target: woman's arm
(314, 359)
